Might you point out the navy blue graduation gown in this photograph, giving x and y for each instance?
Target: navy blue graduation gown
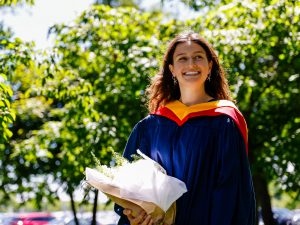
(208, 153)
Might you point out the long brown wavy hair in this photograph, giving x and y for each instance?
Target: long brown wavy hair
(162, 88)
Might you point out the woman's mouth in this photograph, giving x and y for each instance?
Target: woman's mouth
(191, 73)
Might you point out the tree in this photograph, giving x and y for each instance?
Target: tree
(6, 114)
(6, 118)
(93, 83)
(12, 3)
(13, 54)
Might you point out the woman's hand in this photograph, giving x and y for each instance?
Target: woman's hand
(141, 219)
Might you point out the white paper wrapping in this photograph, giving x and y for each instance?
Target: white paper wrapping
(143, 180)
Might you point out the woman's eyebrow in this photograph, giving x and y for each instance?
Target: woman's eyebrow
(179, 54)
(200, 51)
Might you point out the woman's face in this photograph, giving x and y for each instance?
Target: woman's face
(190, 65)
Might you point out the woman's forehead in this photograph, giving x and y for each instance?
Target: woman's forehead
(188, 47)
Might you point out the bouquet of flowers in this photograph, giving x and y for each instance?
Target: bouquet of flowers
(140, 185)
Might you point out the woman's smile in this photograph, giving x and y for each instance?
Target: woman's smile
(192, 73)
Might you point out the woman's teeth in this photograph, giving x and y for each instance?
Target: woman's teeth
(191, 73)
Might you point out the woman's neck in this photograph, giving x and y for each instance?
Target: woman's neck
(193, 97)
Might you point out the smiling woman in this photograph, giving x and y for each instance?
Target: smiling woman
(188, 51)
(197, 135)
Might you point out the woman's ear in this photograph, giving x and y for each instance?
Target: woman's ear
(171, 68)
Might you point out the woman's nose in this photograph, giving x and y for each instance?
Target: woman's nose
(191, 62)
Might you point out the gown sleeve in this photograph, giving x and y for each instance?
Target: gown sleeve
(233, 201)
(134, 142)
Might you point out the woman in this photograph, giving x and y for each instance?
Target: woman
(197, 134)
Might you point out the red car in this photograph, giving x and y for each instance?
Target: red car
(35, 218)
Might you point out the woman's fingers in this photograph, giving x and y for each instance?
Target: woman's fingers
(141, 219)
(148, 221)
(127, 212)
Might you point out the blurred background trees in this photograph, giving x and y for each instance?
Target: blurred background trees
(86, 93)
(13, 3)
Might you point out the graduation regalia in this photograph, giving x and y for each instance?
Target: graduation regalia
(205, 146)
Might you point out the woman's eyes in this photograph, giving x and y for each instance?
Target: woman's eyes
(182, 58)
(198, 57)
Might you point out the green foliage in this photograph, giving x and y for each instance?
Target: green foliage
(15, 2)
(7, 116)
(105, 60)
(100, 70)
(84, 96)
(15, 59)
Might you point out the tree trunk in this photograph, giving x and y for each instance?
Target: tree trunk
(263, 199)
(95, 208)
(73, 208)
